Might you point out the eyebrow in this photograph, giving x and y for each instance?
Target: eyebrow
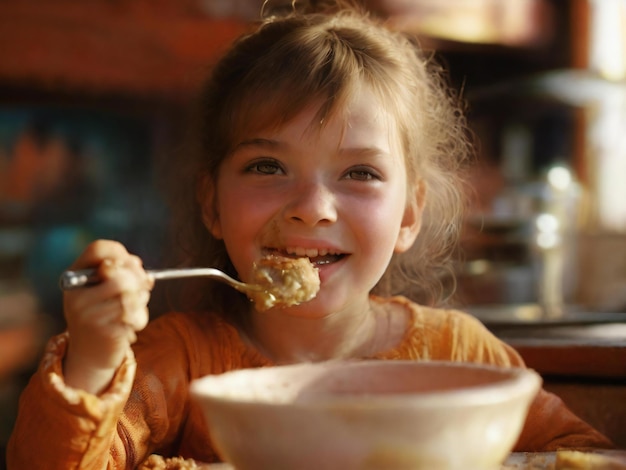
(275, 144)
(259, 142)
(365, 151)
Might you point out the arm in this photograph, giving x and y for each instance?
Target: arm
(144, 410)
(69, 411)
(60, 427)
(550, 424)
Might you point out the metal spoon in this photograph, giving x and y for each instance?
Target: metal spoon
(89, 277)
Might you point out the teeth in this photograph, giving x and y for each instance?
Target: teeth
(297, 251)
(311, 253)
(308, 252)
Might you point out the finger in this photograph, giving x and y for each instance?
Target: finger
(129, 307)
(135, 264)
(111, 319)
(98, 251)
(87, 299)
(123, 276)
(135, 312)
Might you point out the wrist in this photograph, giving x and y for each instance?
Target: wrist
(83, 374)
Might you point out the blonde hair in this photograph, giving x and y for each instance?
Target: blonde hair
(270, 75)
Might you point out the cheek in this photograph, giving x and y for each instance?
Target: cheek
(243, 224)
(244, 213)
(235, 207)
(375, 227)
(233, 220)
(237, 225)
(381, 224)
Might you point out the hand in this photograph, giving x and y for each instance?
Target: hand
(102, 320)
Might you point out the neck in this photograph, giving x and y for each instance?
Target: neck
(361, 332)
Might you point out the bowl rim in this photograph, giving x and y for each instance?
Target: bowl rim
(516, 382)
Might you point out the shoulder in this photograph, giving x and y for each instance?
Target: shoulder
(446, 321)
(450, 334)
(452, 326)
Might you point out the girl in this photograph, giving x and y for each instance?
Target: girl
(321, 135)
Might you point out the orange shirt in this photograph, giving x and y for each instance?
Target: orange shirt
(147, 409)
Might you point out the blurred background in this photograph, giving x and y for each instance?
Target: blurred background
(93, 97)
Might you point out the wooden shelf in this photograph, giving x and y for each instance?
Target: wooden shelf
(109, 47)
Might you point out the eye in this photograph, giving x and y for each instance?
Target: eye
(362, 174)
(265, 166)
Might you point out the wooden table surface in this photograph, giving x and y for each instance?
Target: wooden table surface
(529, 461)
(589, 460)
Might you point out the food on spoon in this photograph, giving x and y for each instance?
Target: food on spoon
(285, 281)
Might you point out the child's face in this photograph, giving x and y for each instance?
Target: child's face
(337, 195)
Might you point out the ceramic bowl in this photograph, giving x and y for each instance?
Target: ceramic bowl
(348, 415)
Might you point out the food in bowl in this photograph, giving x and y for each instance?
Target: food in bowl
(284, 281)
(158, 462)
(368, 414)
(570, 459)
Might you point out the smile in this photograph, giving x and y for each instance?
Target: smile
(317, 256)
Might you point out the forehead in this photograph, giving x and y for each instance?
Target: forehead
(355, 107)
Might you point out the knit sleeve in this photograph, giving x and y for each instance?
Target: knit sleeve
(60, 427)
(146, 409)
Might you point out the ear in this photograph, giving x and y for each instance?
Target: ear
(412, 219)
(206, 197)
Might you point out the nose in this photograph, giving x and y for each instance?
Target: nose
(311, 204)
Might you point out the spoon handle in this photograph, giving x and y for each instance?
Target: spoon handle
(88, 277)
(80, 278)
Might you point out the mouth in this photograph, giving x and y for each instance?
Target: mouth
(317, 256)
